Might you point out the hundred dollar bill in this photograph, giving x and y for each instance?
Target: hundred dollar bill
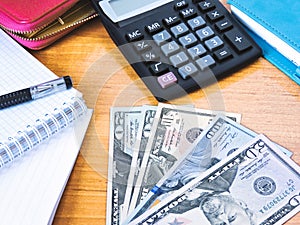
(147, 117)
(125, 122)
(173, 131)
(205, 152)
(255, 185)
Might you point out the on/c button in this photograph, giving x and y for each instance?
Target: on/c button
(167, 79)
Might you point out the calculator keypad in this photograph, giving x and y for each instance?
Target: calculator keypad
(189, 30)
(195, 36)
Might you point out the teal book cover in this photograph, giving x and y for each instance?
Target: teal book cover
(275, 26)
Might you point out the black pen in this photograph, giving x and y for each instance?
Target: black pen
(35, 92)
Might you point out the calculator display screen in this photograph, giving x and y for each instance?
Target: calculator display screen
(118, 10)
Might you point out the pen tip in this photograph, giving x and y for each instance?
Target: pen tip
(68, 81)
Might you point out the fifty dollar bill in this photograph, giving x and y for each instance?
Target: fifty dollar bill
(205, 152)
(123, 136)
(256, 185)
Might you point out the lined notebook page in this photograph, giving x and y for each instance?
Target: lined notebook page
(31, 186)
(21, 70)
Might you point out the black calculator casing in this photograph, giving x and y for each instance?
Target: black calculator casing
(126, 35)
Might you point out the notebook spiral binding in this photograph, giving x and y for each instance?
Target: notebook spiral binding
(43, 129)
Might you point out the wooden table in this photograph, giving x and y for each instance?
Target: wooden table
(267, 99)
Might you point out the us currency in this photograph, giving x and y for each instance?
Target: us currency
(255, 185)
(205, 152)
(125, 122)
(174, 129)
(147, 117)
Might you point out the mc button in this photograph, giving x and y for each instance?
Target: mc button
(134, 35)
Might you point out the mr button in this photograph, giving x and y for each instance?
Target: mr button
(167, 79)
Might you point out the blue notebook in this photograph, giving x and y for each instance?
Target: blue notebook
(275, 26)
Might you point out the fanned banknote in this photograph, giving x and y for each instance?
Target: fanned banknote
(173, 131)
(255, 185)
(147, 117)
(205, 152)
(123, 135)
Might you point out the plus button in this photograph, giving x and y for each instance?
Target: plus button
(237, 40)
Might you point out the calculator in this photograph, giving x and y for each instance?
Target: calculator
(177, 47)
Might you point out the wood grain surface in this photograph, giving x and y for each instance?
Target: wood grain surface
(267, 99)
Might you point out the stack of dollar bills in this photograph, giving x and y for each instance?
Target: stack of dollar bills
(174, 165)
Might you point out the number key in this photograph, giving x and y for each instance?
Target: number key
(179, 59)
(187, 70)
(213, 43)
(161, 37)
(170, 48)
(205, 33)
(188, 40)
(179, 30)
(196, 51)
(196, 23)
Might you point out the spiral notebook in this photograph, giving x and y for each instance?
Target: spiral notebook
(39, 140)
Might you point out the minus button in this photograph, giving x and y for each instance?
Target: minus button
(223, 25)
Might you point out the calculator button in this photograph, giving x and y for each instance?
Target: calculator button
(187, 70)
(150, 56)
(154, 28)
(213, 43)
(188, 40)
(161, 37)
(204, 62)
(223, 25)
(170, 48)
(196, 51)
(179, 59)
(158, 68)
(206, 6)
(196, 23)
(134, 36)
(222, 54)
(180, 5)
(205, 33)
(179, 30)
(239, 42)
(188, 13)
(141, 46)
(214, 15)
(171, 21)
(167, 80)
